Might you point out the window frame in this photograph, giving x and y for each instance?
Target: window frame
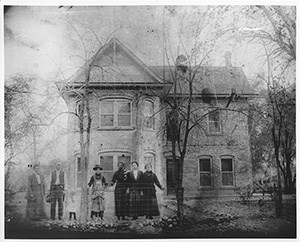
(205, 157)
(228, 172)
(147, 119)
(115, 160)
(116, 112)
(209, 122)
(152, 156)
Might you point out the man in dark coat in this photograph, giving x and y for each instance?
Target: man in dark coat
(121, 198)
(134, 190)
(57, 190)
(35, 195)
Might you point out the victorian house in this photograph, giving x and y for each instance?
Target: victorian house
(128, 123)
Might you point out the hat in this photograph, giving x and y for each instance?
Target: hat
(97, 167)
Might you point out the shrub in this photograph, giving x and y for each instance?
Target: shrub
(245, 193)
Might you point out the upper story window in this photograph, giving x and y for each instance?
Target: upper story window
(171, 125)
(214, 122)
(205, 171)
(227, 170)
(148, 112)
(115, 113)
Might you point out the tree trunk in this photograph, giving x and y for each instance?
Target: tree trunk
(87, 158)
(294, 184)
(289, 184)
(180, 192)
(179, 197)
(285, 183)
(278, 190)
(84, 195)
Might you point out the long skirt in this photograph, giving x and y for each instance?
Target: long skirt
(150, 205)
(135, 204)
(121, 202)
(35, 207)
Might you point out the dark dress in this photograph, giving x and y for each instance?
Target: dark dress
(35, 198)
(121, 198)
(135, 203)
(150, 206)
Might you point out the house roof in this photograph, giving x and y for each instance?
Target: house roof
(217, 79)
(130, 71)
(108, 53)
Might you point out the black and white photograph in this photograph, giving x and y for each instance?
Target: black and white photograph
(149, 121)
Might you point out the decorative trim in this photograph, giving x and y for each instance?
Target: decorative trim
(111, 150)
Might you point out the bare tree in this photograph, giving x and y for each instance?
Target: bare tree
(185, 113)
(276, 58)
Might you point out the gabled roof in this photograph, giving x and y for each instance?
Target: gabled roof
(113, 46)
(218, 80)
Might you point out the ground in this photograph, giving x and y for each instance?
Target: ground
(203, 219)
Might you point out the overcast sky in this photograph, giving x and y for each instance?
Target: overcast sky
(43, 40)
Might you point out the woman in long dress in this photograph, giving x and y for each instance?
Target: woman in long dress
(98, 184)
(121, 198)
(134, 190)
(35, 209)
(150, 206)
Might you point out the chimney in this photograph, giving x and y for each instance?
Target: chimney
(228, 63)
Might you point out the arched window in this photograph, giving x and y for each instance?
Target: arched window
(227, 170)
(149, 158)
(148, 112)
(205, 171)
(115, 113)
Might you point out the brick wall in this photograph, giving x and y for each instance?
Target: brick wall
(139, 141)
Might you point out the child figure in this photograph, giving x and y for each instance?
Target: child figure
(98, 184)
(73, 204)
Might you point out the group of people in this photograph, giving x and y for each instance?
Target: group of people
(135, 193)
(36, 193)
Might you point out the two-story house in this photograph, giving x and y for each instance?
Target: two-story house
(128, 123)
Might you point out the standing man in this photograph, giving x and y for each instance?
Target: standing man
(57, 190)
